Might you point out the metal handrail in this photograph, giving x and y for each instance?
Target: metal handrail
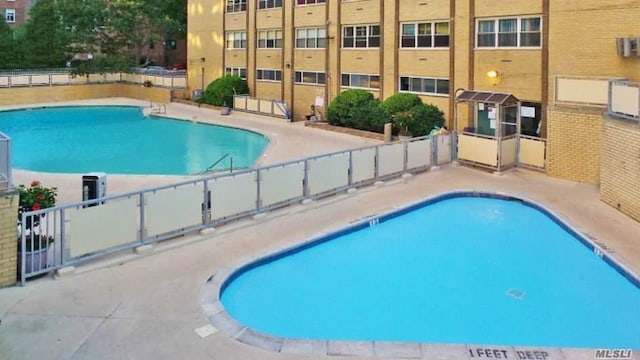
(210, 168)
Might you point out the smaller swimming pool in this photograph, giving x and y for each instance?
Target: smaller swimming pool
(462, 268)
(121, 140)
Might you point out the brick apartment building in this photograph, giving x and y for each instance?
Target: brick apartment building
(15, 11)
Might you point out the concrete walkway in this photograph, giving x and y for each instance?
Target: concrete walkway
(149, 308)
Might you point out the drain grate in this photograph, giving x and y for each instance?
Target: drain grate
(516, 294)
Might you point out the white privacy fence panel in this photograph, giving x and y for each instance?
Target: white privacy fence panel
(625, 99)
(390, 159)
(508, 151)
(443, 148)
(363, 165)
(171, 209)
(4, 81)
(328, 173)
(419, 153)
(252, 105)
(59, 79)
(20, 80)
(39, 79)
(232, 195)
(113, 77)
(96, 78)
(281, 183)
(80, 79)
(101, 227)
(239, 102)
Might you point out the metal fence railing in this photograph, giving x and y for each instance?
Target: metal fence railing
(74, 233)
(5, 162)
(63, 76)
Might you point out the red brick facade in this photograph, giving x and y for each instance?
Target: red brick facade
(15, 12)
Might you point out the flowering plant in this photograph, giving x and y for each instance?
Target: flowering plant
(37, 196)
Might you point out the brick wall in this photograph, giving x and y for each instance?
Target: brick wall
(573, 144)
(620, 170)
(8, 238)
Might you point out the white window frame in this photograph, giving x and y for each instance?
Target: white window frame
(413, 79)
(320, 78)
(236, 6)
(359, 38)
(277, 75)
(432, 36)
(10, 13)
(352, 75)
(496, 32)
(269, 4)
(319, 41)
(309, 2)
(269, 39)
(235, 70)
(233, 39)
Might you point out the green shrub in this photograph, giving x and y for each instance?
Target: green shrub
(425, 118)
(220, 92)
(400, 102)
(357, 109)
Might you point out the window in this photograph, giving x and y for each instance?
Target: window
(361, 81)
(361, 36)
(509, 32)
(309, 2)
(236, 39)
(424, 85)
(10, 15)
(269, 74)
(311, 38)
(309, 77)
(269, 4)
(424, 35)
(240, 71)
(236, 6)
(270, 39)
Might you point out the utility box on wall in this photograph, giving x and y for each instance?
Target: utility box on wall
(94, 186)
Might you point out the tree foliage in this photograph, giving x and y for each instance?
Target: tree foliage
(9, 50)
(220, 92)
(114, 32)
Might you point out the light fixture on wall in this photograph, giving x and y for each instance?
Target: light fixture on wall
(494, 76)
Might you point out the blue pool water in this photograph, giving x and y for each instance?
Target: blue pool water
(462, 270)
(120, 140)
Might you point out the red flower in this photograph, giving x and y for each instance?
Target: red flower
(36, 206)
(35, 183)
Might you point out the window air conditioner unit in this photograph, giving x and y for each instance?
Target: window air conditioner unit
(627, 46)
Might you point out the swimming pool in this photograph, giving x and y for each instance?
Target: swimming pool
(121, 140)
(463, 268)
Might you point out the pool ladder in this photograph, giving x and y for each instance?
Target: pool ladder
(210, 168)
(158, 109)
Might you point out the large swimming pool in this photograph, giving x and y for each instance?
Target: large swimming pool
(457, 269)
(121, 140)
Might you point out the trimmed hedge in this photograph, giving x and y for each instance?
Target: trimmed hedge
(357, 109)
(220, 92)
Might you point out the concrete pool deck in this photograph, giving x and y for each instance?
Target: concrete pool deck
(150, 308)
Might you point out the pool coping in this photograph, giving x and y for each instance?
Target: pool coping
(224, 322)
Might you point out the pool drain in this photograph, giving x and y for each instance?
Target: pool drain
(516, 294)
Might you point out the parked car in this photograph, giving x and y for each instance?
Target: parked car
(179, 67)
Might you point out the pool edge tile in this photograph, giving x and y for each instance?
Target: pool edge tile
(350, 348)
(405, 350)
(305, 347)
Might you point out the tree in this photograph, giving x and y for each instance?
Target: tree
(46, 42)
(9, 50)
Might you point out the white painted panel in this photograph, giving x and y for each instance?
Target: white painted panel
(364, 164)
(174, 208)
(239, 102)
(278, 109)
(112, 77)
(96, 78)
(102, 227)
(180, 82)
(625, 100)
(328, 173)
(78, 79)
(252, 104)
(233, 194)
(584, 91)
(265, 106)
(390, 159)
(40, 79)
(443, 142)
(508, 152)
(281, 183)
(20, 80)
(419, 153)
(157, 80)
(131, 78)
(478, 149)
(60, 79)
(4, 80)
(532, 152)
